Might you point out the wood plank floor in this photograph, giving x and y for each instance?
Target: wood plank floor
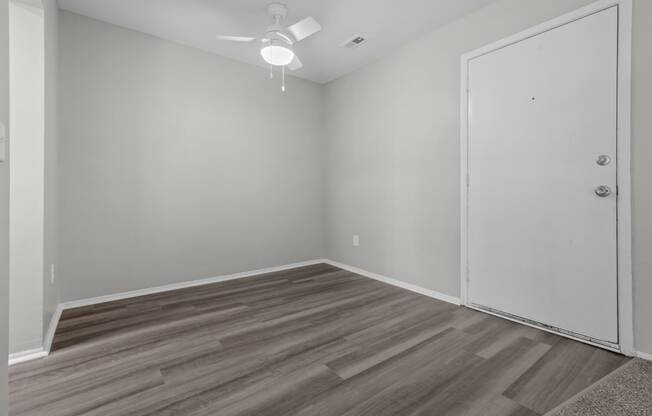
(311, 341)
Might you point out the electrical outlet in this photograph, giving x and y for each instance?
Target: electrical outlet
(356, 240)
(52, 274)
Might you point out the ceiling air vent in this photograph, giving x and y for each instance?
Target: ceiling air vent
(356, 41)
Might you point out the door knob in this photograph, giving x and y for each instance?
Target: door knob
(603, 191)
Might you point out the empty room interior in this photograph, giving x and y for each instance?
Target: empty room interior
(326, 208)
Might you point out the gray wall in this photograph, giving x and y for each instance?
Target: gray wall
(51, 295)
(176, 164)
(33, 223)
(393, 153)
(642, 173)
(26, 195)
(4, 207)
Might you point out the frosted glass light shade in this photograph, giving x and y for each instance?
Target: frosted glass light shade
(277, 55)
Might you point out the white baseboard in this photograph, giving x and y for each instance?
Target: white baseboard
(24, 356)
(183, 285)
(394, 282)
(47, 344)
(52, 327)
(644, 355)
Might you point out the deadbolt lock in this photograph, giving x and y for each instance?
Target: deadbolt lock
(603, 160)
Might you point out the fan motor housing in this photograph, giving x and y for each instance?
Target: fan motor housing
(279, 10)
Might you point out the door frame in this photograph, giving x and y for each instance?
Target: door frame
(623, 143)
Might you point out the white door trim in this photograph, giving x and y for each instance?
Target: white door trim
(625, 292)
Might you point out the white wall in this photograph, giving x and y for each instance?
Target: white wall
(393, 153)
(4, 207)
(51, 290)
(27, 62)
(177, 164)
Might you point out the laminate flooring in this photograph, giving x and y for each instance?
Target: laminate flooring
(315, 340)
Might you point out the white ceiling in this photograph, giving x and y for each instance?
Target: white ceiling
(385, 23)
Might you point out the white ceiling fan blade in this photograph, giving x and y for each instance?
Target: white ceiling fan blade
(237, 38)
(295, 64)
(304, 28)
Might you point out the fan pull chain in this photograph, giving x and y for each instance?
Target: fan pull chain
(283, 76)
(271, 71)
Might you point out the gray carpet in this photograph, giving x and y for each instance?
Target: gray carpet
(626, 392)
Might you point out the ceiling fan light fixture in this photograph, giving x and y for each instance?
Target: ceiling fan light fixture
(277, 55)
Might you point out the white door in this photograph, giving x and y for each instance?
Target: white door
(542, 244)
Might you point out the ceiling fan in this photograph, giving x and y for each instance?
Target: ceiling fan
(278, 40)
